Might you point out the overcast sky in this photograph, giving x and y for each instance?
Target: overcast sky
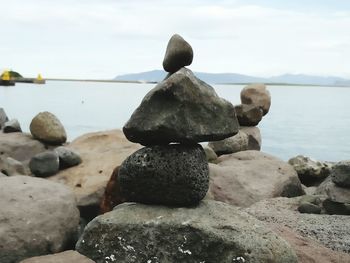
(105, 38)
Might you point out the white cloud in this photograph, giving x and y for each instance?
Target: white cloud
(100, 39)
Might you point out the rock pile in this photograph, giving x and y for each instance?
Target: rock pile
(337, 189)
(172, 171)
(256, 101)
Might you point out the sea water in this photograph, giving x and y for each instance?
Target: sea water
(308, 120)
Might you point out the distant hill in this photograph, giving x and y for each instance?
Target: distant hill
(224, 78)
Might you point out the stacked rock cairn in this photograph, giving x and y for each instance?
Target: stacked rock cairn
(172, 119)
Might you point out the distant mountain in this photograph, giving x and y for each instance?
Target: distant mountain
(224, 78)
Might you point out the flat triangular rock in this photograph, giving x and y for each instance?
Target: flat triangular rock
(182, 109)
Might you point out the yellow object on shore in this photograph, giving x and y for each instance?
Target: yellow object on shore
(39, 77)
(6, 75)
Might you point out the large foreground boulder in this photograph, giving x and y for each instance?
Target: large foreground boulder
(332, 231)
(37, 217)
(211, 232)
(101, 152)
(247, 177)
(63, 257)
(172, 174)
(47, 127)
(183, 109)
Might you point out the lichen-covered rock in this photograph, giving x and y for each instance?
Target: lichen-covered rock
(12, 126)
(236, 143)
(248, 114)
(174, 174)
(46, 127)
(310, 172)
(181, 109)
(44, 164)
(67, 157)
(178, 54)
(211, 232)
(258, 95)
(37, 217)
(341, 174)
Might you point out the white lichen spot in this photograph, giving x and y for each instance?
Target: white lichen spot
(239, 259)
(128, 247)
(96, 245)
(159, 217)
(83, 241)
(188, 252)
(112, 258)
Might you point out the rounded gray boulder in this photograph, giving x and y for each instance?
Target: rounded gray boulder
(178, 54)
(341, 174)
(12, 126)
(37, 217)
(44, 164)
(67, 157)
(172, 174)
(211, 232)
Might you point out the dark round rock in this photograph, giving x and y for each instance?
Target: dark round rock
(12, 126)
(335, 208)
(309, 208)
(177, 55)
(44, 164)
(172, 174)
(67, 157)
(340, 174)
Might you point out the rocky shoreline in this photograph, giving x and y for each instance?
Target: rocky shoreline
(152, 193)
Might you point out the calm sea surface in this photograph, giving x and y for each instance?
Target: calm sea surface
(314, 121)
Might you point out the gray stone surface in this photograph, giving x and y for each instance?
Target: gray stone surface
(333, 231)
(335, 193)
(335, 208)
(172, 174)
(236, 143)
(341, 174)
(254, 137)
(11, 167)
(310, 172)
(3, 118)
(248, 114)
(67, 157)
(47, 127)
(211, 155)
(178, 54)
(12, 126)
(44, 164)
(211, 232)
(20, 146)
(309, 208)
(247, 177)
(258, 95)
(182, 109)
(37, 217)
(69, 256)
